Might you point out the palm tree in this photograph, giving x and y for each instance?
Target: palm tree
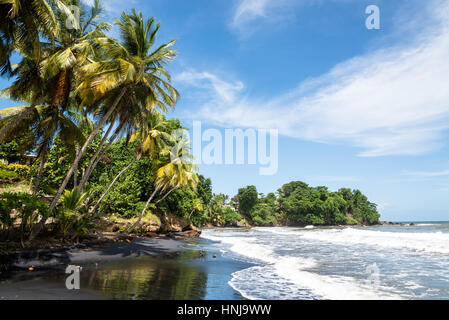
(53, 117)
(135, 107)
(68, 213)
(47, 78)
(180, 156)
(24, 22)
(50, 67)
(28, 86)
(196, 206)
(46, 122)
(129, 82)
(177, 173)
(153, 142)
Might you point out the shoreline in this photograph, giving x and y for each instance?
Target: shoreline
(145, 268)
(140, 269)
(50, 251)
(101, 247)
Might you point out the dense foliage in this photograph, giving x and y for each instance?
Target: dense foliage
(92, 111)
(298, 203)
(20, 206)
(127, 198)
(12, 151)
(13, 172)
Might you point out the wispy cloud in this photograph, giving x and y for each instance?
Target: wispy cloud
(226, 92)
(250, 15)
(393, 101)
(249, 11)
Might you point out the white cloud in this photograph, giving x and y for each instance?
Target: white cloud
(394, 101)
(248, 11)
(249, 15)
(251, 9)
(224, 91)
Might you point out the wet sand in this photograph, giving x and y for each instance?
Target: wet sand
(136, 248)
(144, 269)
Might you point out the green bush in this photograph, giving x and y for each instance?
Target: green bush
(316, 205)
(351, 221)
(20, 169)
(69, 217)
(3, 164)
(21, 205)
(230, 215)
(9, 176)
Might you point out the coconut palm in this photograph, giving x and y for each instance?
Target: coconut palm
(177, 173)
(196, 206)
(153, 141)
(180, 156)
(48, 119)
(28, 87)
(47, 78)
(46, 122)
(129, 82)
(24, 22)
(73, 47)
(136, 105)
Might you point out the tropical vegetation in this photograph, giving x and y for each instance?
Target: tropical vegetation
(297, 203)
(92, 122)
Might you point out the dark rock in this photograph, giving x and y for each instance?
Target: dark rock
(191, 231)
(172, 223)
(238, 224)
(151, 235)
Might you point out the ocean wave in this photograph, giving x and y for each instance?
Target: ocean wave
(247, 247)
(264, 283)
(286, 277)
(435, 242)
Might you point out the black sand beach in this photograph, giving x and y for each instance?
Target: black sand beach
(143, 269)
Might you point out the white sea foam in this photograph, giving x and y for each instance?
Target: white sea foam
(263, 282)
(334, 287)
(435, 242)
(247, 247)
(287, 277)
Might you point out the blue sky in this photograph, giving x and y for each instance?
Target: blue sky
(356, 108)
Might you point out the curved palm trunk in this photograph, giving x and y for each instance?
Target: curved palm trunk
(41, 169)
(166, 195)
(75, 173)
(14, 122)
(97, 159)
(94, 209)
(191, 212)
(83, 150)
(86, 174)
(143, 212)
